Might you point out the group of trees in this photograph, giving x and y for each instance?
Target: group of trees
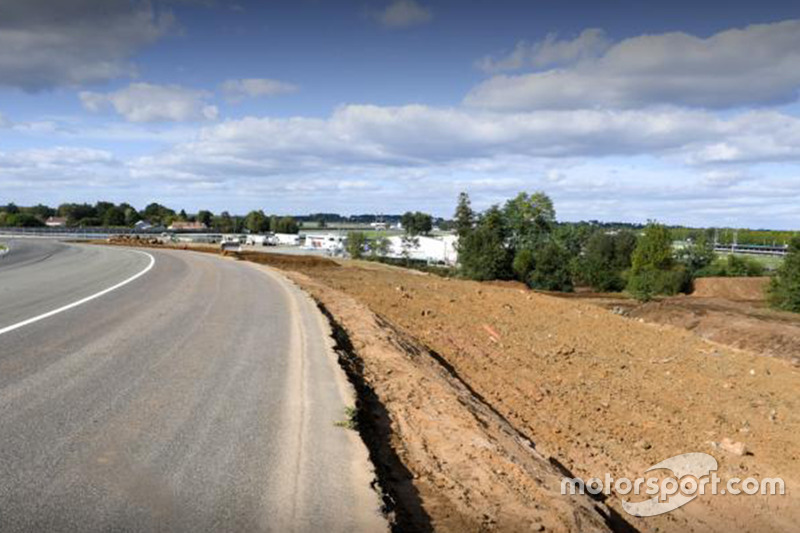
(784, 288)
(417, 223)
(108, 214)
(522, 240)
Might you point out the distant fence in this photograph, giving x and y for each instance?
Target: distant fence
(105, 233)
(756, 249)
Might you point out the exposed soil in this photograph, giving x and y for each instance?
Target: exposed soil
(467, 372)
(736, 289)
(599, 392)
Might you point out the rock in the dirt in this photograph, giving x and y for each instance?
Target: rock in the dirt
(735, 448)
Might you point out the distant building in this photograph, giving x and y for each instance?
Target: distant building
(326, 241)
(142, 225)
(55, 222)
(180, 225)
(437, 250)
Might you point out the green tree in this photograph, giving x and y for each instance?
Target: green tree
(256, 222)
(552, 268)
(784, 288)
(653, 268)
(356, 244)
(380, 247)
(464, 216)
(530, 218)
(605, 259)
(285, 225)
(158, 214)
(483, 254)
(697, 255)
(114, 216)
(206, 217)
(417, 223)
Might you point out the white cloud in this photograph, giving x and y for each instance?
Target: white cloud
(404, 14)
(754, 66)
(591, 43)
(417, 136)
(44, 44)
(238, 90)
(145, 102)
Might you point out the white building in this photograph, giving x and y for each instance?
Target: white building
(287, 239)
(430, 249)
(330, 242)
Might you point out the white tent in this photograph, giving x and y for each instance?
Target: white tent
(429, 249)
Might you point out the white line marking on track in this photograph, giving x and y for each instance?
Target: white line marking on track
(82, 301)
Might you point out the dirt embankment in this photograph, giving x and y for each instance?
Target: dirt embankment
(467, 371)
(735, 289)
(729, 311)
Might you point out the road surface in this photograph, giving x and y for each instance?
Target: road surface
(197, 394)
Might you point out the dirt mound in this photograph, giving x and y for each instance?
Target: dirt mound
(288, 262)
(736, 289)
(599, 392)
(473, 471)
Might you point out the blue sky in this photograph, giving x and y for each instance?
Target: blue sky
(685, 113)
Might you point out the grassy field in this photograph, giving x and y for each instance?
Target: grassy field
(770, 262)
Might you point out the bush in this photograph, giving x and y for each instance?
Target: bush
(732, 266)
(653, 269)
(605, 260)
(524, 263)
(649, 282)
(552, 269)
(356, 243)
(482, 253)
(784, 288)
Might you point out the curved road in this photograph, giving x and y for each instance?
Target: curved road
(201, 395)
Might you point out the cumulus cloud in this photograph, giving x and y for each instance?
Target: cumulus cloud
(238, 90)
(145, 102)
(552, 51)
(418, 136)
(44, 44)
(404, 14)
(754, 66)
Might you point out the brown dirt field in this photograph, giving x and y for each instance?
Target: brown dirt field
(604, 393)
(747, 289)
(730, 311)
(595, 391)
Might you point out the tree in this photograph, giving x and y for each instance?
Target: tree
(697, 255)
(605, 258)
(114, 216)
(380, 247)
(285, 225)
(157, 214)
(417, 223)
(356, 244)
(653, 269)
(464, 216)
(784, 288)
(552, 270)
(224, 223)
(530, 218)
(22, 220)
(483, 254)
(206, 217)
(256, 222)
